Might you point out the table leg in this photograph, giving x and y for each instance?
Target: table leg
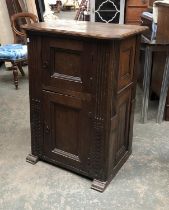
(164, 90)
(146, 83)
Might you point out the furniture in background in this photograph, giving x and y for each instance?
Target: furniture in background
(83, 8)
(147, 20)
(16, 6)
(163, 22)
(150, 4)
(69, 5)
(82, 79)
(151, 47)
(16, 53)
(119, 11)
(17, 21)
(1, 62)
(156, 55)
(134, 9)
(57, 6)
(158, 64)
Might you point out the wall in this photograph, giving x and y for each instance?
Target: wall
(6, 35)
(31, 6)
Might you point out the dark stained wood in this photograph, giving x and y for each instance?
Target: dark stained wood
(82, 96)
(15, 6)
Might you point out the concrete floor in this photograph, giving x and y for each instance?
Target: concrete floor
(141, 184)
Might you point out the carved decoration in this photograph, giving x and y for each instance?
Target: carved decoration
(66, 154)
(36, 132)
(98, 116)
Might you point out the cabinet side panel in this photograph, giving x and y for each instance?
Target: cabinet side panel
(34, 61)
(133, 90)
(126, 65)
(122, 120)
(112, 104)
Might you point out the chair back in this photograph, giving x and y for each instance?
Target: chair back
(19, 19)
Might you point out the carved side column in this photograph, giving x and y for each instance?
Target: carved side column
(99, 115)
(34, 64)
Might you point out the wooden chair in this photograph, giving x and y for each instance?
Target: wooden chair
(17, 53)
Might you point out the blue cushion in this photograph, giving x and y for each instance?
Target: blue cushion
(13, 52)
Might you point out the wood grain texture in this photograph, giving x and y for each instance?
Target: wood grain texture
(163, 23)
(86, 29)
(86, 95)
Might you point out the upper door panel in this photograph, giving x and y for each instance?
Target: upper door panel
(66, 65)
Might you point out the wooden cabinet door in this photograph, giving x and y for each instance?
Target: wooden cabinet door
(66, 131)
(67, 65)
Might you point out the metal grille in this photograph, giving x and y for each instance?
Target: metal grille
(107, 11)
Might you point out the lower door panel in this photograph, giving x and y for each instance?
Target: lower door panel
(66, 130)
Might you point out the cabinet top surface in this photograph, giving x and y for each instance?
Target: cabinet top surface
(86, 29)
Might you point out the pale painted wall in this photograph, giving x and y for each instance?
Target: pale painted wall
(6, 35)
(31, 6)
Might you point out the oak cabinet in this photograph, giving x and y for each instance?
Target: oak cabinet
(82, 93)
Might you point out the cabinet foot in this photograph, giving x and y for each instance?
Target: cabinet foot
(99, 185)
(32, 159)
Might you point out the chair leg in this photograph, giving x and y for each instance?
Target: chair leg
(146, 83)
(164, 90)
(15, 74)
(21, 69)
